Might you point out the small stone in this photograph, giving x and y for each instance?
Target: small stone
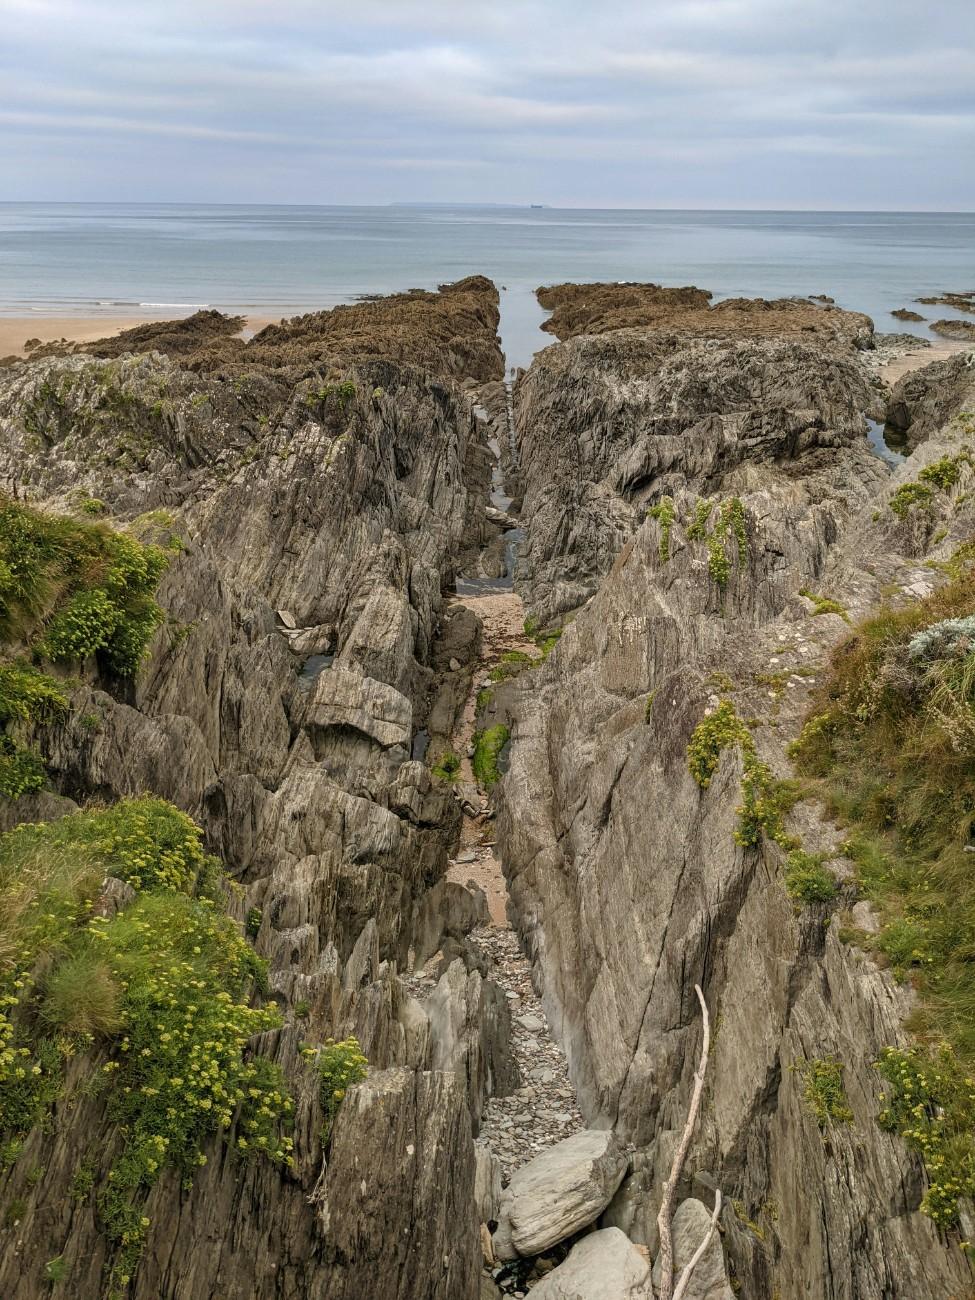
(455, 665)
(531, 1023)
(467, 856)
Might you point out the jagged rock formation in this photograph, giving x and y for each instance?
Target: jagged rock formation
(324, 514)
(579, 309)
(955, 329)
(627, 880)
(449, 333)
(925, 400)
(609, 424)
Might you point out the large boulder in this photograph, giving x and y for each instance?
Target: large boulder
(561, 1191)
(603, 1266)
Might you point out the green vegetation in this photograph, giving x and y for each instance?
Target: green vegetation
(891, 745)
(807, 879)
(823, 604)
(697, 529)
(765, 799)
(447, 766)
(730, 524)
(665, 512)
(712, 736)
(511, 664)
(343, 392)
(339, 1066)
(909, 496)
(823, 1090)
(930, 1102)
(941, 475)
(70, 589)
(487, 749)
(162, 989)
(56, 1270)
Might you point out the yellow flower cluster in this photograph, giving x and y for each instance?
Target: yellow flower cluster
(930, 1102)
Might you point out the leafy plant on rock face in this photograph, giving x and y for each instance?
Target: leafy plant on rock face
(164, 986)
(823, 1090)
(338, 1065)
(72, 589)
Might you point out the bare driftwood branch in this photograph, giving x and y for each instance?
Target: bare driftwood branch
(695, 1259)
(666, 1215)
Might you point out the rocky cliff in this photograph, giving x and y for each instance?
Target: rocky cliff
(312, 513)
(264, 1031)
(770, 530)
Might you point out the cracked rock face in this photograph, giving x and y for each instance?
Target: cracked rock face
(627, 883)
(610, 424)
(324, 480)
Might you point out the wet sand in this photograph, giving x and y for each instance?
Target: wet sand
(16, 330)
(903, 365)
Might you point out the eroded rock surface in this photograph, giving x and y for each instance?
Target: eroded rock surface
(628, 884)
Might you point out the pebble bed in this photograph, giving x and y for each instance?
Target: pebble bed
(543, 1110)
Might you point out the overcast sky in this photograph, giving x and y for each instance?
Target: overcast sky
(654, 103)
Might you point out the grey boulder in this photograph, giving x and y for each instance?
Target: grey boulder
(559, 1192)
(709, 1281)
(603, 1266)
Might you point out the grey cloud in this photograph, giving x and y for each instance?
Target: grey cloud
(649, 102)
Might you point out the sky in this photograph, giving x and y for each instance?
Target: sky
(602, 103)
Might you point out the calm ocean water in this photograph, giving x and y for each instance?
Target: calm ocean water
(121, 259)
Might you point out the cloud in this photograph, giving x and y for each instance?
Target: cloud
(630, 101)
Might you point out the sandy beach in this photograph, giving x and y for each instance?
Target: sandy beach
(903, 365)
(16, 330)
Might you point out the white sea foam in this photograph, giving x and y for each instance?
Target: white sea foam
(188, 306)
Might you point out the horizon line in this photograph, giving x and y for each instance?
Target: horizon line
(490, 204)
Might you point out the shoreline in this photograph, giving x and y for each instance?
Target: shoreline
(16, 330)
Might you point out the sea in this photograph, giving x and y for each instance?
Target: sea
(272, 260)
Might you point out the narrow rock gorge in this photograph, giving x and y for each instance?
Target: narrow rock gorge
(387, 753)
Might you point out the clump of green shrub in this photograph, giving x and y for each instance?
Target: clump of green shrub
(910, 496)
(164, 987)
(807, 879)
(729, 524)
(823, 1090)
(488, 745)
(823, 604)
(711, 737)
(665, 512)
(71, 589)
(338, 1065)
(765, 798)
(930, 1101)
(144, 841)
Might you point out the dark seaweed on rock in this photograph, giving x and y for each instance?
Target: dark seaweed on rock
(597, 308)
(451, 333)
